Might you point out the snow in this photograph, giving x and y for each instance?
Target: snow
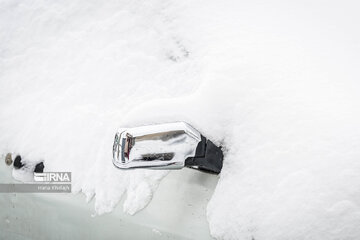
(275, 82)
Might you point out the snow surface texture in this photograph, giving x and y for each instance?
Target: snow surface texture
(276, 82)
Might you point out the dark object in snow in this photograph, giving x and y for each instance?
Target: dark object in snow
(17, 162)
(39, 168)
(208, 157)
(166, 146)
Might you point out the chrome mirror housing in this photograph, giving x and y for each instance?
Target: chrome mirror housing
(165, 146)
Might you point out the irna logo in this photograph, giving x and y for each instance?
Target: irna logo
(52, 177)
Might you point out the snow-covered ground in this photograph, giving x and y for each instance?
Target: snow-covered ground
(277, 83)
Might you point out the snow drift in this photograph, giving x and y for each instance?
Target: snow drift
(275, 83)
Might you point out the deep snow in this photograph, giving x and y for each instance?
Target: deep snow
(276, 83)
